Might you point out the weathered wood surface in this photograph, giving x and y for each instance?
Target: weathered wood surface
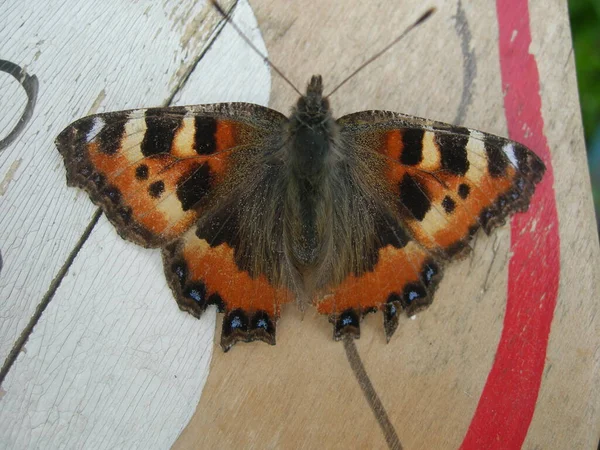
(113, 363)
(430, 377)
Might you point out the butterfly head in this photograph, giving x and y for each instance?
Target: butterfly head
(313, 108)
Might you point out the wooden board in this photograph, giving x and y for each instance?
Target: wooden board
(502, 359)
(113, 363)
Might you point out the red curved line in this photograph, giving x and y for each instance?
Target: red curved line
(507, 403)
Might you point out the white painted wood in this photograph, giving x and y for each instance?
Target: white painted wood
(113, 363)
(88, 56)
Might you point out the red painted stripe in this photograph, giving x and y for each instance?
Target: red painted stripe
(507, 403)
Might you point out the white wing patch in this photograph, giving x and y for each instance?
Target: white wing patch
(509, 150)
(96, 128)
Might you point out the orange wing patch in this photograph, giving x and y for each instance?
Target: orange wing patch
(146, 193)
(200, 275)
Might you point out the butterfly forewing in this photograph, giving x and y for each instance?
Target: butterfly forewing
(447, 181)
(152, 170)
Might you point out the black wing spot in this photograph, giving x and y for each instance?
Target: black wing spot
(193, 188)
(429, 274)
(448, 204)
(413, 292)
(204, 138)
(262, 328)
(235, 328)
(161, 127)
(453, 152)
(496, 159)
(412, 146)
(112, 132)
(346, 324)
(464, 190)
(196, 292)
(414, 197)
(142, 172)
(156, 189)
(219, 228)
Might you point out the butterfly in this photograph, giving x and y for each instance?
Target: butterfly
(252, 209)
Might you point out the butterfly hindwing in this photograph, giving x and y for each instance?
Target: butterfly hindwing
(202, 273)
(403, 279)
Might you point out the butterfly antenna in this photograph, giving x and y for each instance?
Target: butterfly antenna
(228, 18)
(419, 21)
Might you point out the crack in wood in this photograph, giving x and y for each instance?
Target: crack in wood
(188, 72)
(54, 285)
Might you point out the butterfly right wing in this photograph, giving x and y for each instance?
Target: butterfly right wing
(443, 183)
(171, 178)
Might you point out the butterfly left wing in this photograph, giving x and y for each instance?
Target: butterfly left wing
(167, 177)
(446, 182)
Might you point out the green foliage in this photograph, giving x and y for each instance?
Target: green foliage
(585, 25)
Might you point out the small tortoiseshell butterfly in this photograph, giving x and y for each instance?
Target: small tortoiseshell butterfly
(253, 209)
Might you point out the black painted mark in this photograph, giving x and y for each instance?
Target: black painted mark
(469, 63)
(31, 85)
(391, 437)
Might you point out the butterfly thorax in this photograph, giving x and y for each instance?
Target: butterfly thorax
(311, 131)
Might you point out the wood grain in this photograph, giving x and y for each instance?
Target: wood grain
(429, 378)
